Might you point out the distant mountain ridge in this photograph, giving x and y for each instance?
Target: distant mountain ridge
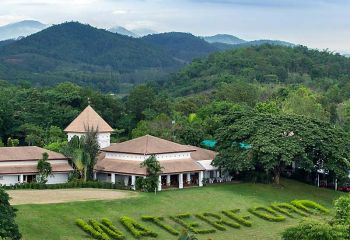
(20, 29)
(123, 31)
(224, 38)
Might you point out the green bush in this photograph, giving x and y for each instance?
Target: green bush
(269, 215)
(233, 214)
(218, 222)
(315, 230)
(190, 226)
(159, 222)
(342, 210)
(287, 209)
(136, 229)
(309, 206)
(112, 230)
(91, 230)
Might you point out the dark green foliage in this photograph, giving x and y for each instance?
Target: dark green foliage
(159, 221)
(267, 213)
(191, 226)
(151, 181)
(44, 169)
(136, 229)
(315, 230)
(180, 45)
(233, 214)
(8, 226)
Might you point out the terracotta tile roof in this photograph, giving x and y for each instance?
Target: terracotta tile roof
(148, 145)
(26, 154)
(21, 169)
(133, 167)
(88, 118)
(203, 154)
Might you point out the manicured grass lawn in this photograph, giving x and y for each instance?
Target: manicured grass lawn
(56, 221)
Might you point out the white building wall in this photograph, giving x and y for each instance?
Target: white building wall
(8, 179)
(103, 139)
(139, 157)
(57, 178)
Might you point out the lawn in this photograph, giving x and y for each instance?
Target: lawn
(56, 221)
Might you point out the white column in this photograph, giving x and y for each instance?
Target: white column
(218, 173)
(21, 178)
(126, 181)
(133, 182)
(160, 183)
(95, 175)
(112, 177)
(181, 183)
(200, 179)
(168, 180)
(188, 178)
(336, 185)
(318, 180)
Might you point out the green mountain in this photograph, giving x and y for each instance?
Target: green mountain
(182, 46)
(20, 29)
(263, 64)
(84, 55)
(224, 38)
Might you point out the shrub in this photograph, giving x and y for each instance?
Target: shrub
(91, 230)
(342, 210)
(269, 215)
(112, 230)
(8, 226)
(74, 184)
(309, 206)
(218, 222)
(136, 229)
(244, 220)
(190, 226)
(159, 222)
(287, 209)
(315, 230)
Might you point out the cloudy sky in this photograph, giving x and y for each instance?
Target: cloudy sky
(318, 24)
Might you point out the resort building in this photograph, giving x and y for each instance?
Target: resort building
(19, 165)
(182, 165)
(87, 120)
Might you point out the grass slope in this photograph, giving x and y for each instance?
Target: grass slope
(56, 221)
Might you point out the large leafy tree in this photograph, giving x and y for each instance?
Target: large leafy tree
(154, 169)
(8, 226)
(276, 140)
(44, 168)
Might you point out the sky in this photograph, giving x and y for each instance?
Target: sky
(321, 24)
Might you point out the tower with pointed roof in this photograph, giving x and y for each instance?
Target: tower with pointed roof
(90, 119)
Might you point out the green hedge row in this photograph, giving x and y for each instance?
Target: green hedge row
(91, 230)
(266, 213)
(218, 223)
(190, 226)
(112, 230)
(159, 222)
(233, 214)
(287, 209)
(136, 229)
(75, 184)
(309, 206)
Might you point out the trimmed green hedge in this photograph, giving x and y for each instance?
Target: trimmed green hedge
(218, 222)
(111, 229)
(233, 214)
(190, 226)
(287, 209)
(91, 230)
(75, 184)
(309, 206)
(159, 222)
(136, 229)
(269, 215)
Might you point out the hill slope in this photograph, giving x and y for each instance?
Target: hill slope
(122, 31)
(264, 64)
(81, 54)
(18, 29)
(223, 38)
(183, 46)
